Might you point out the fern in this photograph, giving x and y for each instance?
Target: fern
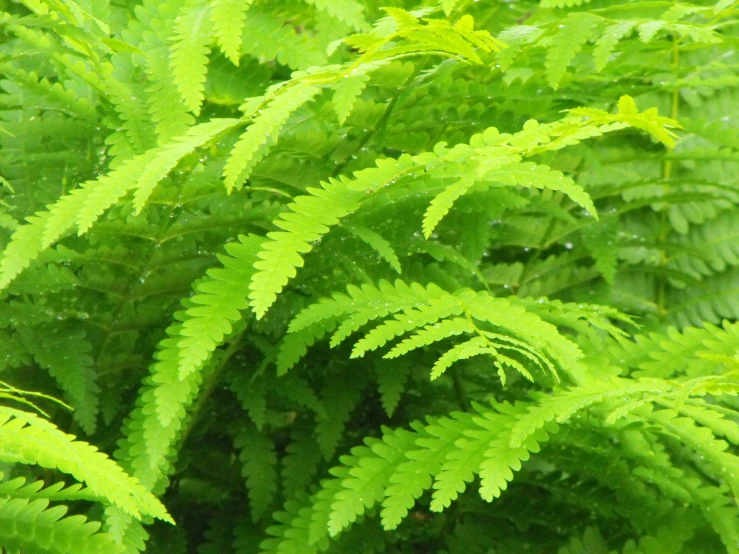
(30, 440)
(189, 55)
(47, 530)
(228, 17)
(251, 147)
(575, 31)
(494, 157)
(217, 305)
(88, 202)
(491, 244)
(258, 459)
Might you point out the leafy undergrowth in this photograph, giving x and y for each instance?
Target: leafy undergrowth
(353, 276)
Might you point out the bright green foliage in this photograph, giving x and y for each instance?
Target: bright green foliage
(28, 439)
(352, 276)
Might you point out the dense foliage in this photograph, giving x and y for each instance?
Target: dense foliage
(358, 276)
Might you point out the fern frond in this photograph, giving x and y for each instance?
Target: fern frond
(714, 299)
(340, 398)
(489, 157)
(648, 120)
(600, 240)
(563, 405)
(217, 303)
(391, 379)
(66, 354)
(447, 453)
(262, 133)
(300, 462)
(165, 158)
(702, 441)
(574, 32)
(155, 423)
(377, 243)
(18, 488)
(608, 40)
(189, 54)
(346, 92)
(365, 485)
(227, 18)
(31, 526)
(270, 37)
(310, 218)
(169, 113)
(258, 460)
(349, 12)
(84, 205)
(442, 203)
(433, 315)
(27, 439)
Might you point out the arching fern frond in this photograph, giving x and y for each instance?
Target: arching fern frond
(448, 452)
(84, 205)
(28, 439)
(574, 32)
(490, 157)
(430, 315)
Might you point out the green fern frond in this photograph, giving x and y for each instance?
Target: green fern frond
(18, 488)
(648, 120)
(66, 354)
(349, 12)
(346, 92)
(309, 218)
(447, 453)
(702, 441)
(300, 462)
(169, 114)
(340, 398)
(155, 423)
(165, 158)
(391, 378)
(84, 205)
(270, 37)
(376, 242)
(442, 203)
(714, 299)
(563, 405)
(31, 526)
(574, 31)
(600, 240)
(219, 299)
(258, 460)
(189, 54)
(580, 317)
(607, 42)
(263, 132)
(27, 439)
(227, 18)
(433, 315)
(490, 156)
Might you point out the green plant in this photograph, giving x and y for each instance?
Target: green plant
(376, 251)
